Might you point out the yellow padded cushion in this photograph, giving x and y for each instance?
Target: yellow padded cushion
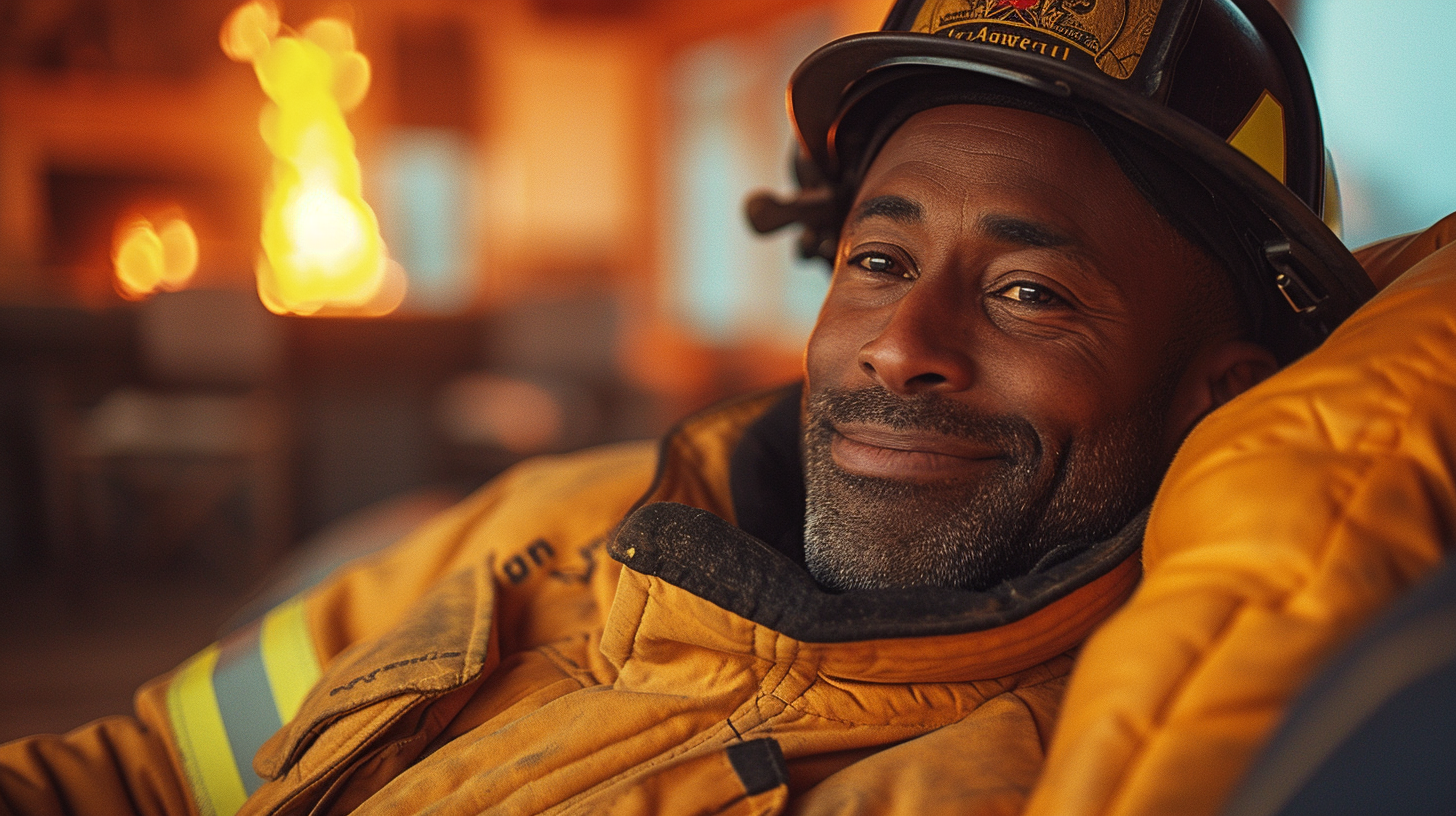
(1289, 517)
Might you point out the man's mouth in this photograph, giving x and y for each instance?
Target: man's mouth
(908, 455)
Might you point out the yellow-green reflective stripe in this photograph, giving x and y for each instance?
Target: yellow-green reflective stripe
(288, 657)
(227, 701)
(197, 722)
(245, 701)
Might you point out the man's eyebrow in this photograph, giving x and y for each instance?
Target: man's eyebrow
(1013, 230)
(893, 207)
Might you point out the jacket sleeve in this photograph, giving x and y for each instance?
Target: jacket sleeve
(1289, 517)
(117, 765)
(189, 747)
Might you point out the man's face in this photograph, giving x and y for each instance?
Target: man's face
(992, 371)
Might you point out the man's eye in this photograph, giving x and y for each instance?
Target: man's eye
(1029, 293)
(879, 264)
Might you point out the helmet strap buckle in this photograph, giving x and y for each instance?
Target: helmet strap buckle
(1292, 275)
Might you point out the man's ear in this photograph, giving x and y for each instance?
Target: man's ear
(1218, 373)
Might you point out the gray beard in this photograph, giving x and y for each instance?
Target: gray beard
(870, 533)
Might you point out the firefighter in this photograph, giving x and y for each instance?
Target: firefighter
(1072, 240)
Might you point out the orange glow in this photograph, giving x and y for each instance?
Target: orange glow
(148, 259)
(321, 246)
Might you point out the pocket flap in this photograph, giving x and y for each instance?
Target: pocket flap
(443, 643)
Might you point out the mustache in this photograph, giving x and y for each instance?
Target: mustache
(1012, 434)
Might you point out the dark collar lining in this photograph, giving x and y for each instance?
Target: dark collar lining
(701, 553)
(766, 478)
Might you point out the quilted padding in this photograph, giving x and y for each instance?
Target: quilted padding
(1289, 517)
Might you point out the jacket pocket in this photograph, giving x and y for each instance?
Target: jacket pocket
(395, 689)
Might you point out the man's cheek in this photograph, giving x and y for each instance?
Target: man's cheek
(829, 358)
(1043, 388)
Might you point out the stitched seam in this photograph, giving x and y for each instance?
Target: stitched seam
(787, 663)
(566, 665)
(1043, 738)
(559, 658)
(637, 622)
(804, 712)
(797, 705)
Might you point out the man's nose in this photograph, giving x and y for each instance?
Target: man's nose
(924, 347)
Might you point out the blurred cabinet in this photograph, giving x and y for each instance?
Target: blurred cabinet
(187, 466)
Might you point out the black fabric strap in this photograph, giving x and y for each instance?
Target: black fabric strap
(759, 764)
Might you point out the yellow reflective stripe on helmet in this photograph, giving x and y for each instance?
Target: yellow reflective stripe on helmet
(1333, 212)
(1261, 135)
(289, 657)
(207, 758)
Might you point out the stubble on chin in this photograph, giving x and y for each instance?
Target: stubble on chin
(870, 533)
(867, 533)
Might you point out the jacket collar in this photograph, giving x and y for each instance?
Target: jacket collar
(683, 536)
(694, 459)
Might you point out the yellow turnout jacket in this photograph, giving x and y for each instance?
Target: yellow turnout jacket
(530, 651)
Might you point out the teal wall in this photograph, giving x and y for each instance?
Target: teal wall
(1385, 77)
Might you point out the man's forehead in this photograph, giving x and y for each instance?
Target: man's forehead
(971, 129)
(1043, 177)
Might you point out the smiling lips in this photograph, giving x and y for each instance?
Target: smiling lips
(915, 456)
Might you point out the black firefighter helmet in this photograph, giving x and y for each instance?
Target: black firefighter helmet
(1206, 104)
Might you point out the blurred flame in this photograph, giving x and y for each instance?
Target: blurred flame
(148, 258)
(321, 243)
